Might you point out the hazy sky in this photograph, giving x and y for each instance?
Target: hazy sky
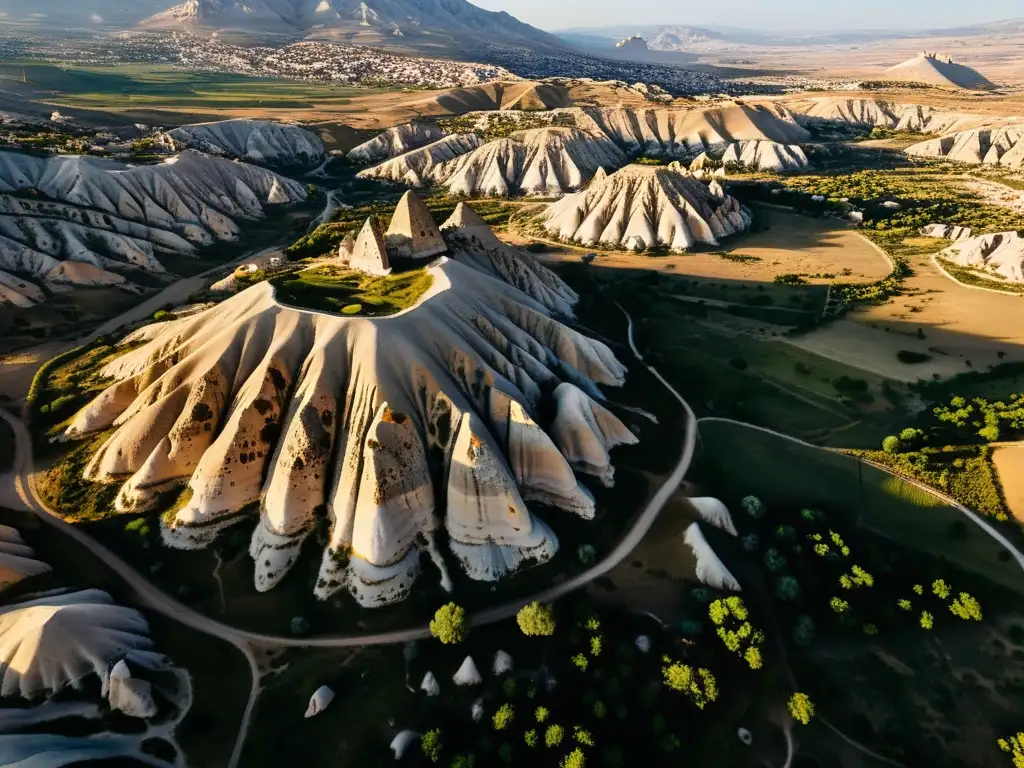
(760, 14)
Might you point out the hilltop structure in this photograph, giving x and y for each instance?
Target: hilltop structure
(413, 233)
(369, 254)
(932, 69)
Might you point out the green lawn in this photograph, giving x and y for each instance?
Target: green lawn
(133, 86)
(783, 471)
(352, 293)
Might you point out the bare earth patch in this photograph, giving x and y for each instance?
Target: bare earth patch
(1009, 463)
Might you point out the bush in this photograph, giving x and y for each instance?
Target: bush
(352, 309)
(536, 620)
(891, 444)
(162, 316)
(449, 624)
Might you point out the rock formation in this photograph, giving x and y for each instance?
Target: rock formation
(542, 161)
(130, 695)
(685, 133)
(946, 232)
(879, 113)
(369, 253)
(467, 674)
(763, 155)
(346, 249)
(1001, 254)
(416, 168)
(319, 701)
(92, 216)
(1002, 146)
(396, 141)
(429, 685)
(17, 560)
(401, 743)
(389, 427)
(710, 570)
(476, 712)
(50, 642)
(713, 511)
(642, 207)
(932, 69)
(20, 293)
(502, 664)
(413, 233)
(276, 145)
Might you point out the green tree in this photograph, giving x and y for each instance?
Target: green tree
(753, 657)
(927, 620)
(431, 745)
(503, 717)
(750, 543)
(530, 737)
(891, 444)
(449, 624)
(574, 759)
(541, 714)
(941, 589)
(839, 605)
(595, 646)
(464, 761)
(905, 605)
(787, 588)
(536, 620)
(753, 507)
(581, 662)
(966, 607)
(803, 632)
(699, 685)
(553, 735)
(801, 708)
(774, 561)
(1014, 746)
(583, 737)
(600, 711)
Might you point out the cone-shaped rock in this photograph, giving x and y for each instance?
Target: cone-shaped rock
(468, 674)
(346, 249)
(412, 232)
(369, 254)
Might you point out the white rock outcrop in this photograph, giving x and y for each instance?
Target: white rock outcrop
(541, 161)
(1000, 146)
(401, 743)
(396, 141)
(303, 416)
(20, 293)
(278, 145)
(643, 643)
(710, 569)
(643, 207)
(476, 712)
(467, 674)
(92, 216)
(502, 664)
(932, 69)
(764, 155)
(319, 701)
(17, 559)
(416, 168)
(429, 685)
(50, 642)
(130, 695)
(946, 232)
(879, 113)
(1001, 254)
(715, 512)
(413, 233)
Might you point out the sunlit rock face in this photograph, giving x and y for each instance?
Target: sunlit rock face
(642, 207)
(276, 145)
(396, 141)
(1001, 254)
(999, 146)
(444, 417)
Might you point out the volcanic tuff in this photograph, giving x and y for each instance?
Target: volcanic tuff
(390, 427)
(933, 69)
(100, 215)
(416, 168)
(1001, 254)
(765, 155)
(642, 207)
(883, 114)
(17, 560)
(276, 145)
(990, 146)
(396, 141)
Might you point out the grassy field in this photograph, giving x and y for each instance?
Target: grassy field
(135, 87)
(352, 293)
(783, 471)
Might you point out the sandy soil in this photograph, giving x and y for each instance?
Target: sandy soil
(18, 368)
(793, 243)
(1009, 462)
(959, 325)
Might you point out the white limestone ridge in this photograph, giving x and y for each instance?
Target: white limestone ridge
(319, 701)
(99, 215)
(50, 642)
(278, 145)
(946, 232)
(20, 293)
(642, 207)
(683, 133)
(762, 155)
(1001, 254)
(401, 743)
(416, 168)
(429, 685)
(396, 141)
(17, 559)
(130, 695)
(467, 674)
(871, 113)
(710, 569)
(367, 422)
(413, 233)
(713, 511)
(1002, 146)
(540, 161)
(502, 664)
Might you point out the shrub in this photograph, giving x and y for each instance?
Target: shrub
(891, 444)
(801, 708)
(352, 309)
(449, 624)
(431, 745)
(553, 735)
(503, 717)
(753, 507)
(536, 620)
(803, 632)
(162, 316)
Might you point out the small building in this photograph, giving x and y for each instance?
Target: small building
(369, 254)
(413, 233)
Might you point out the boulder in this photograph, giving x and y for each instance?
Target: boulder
(502, 664)
(129, 695)
(319, 701)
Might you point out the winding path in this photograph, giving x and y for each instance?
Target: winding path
(151, 597)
